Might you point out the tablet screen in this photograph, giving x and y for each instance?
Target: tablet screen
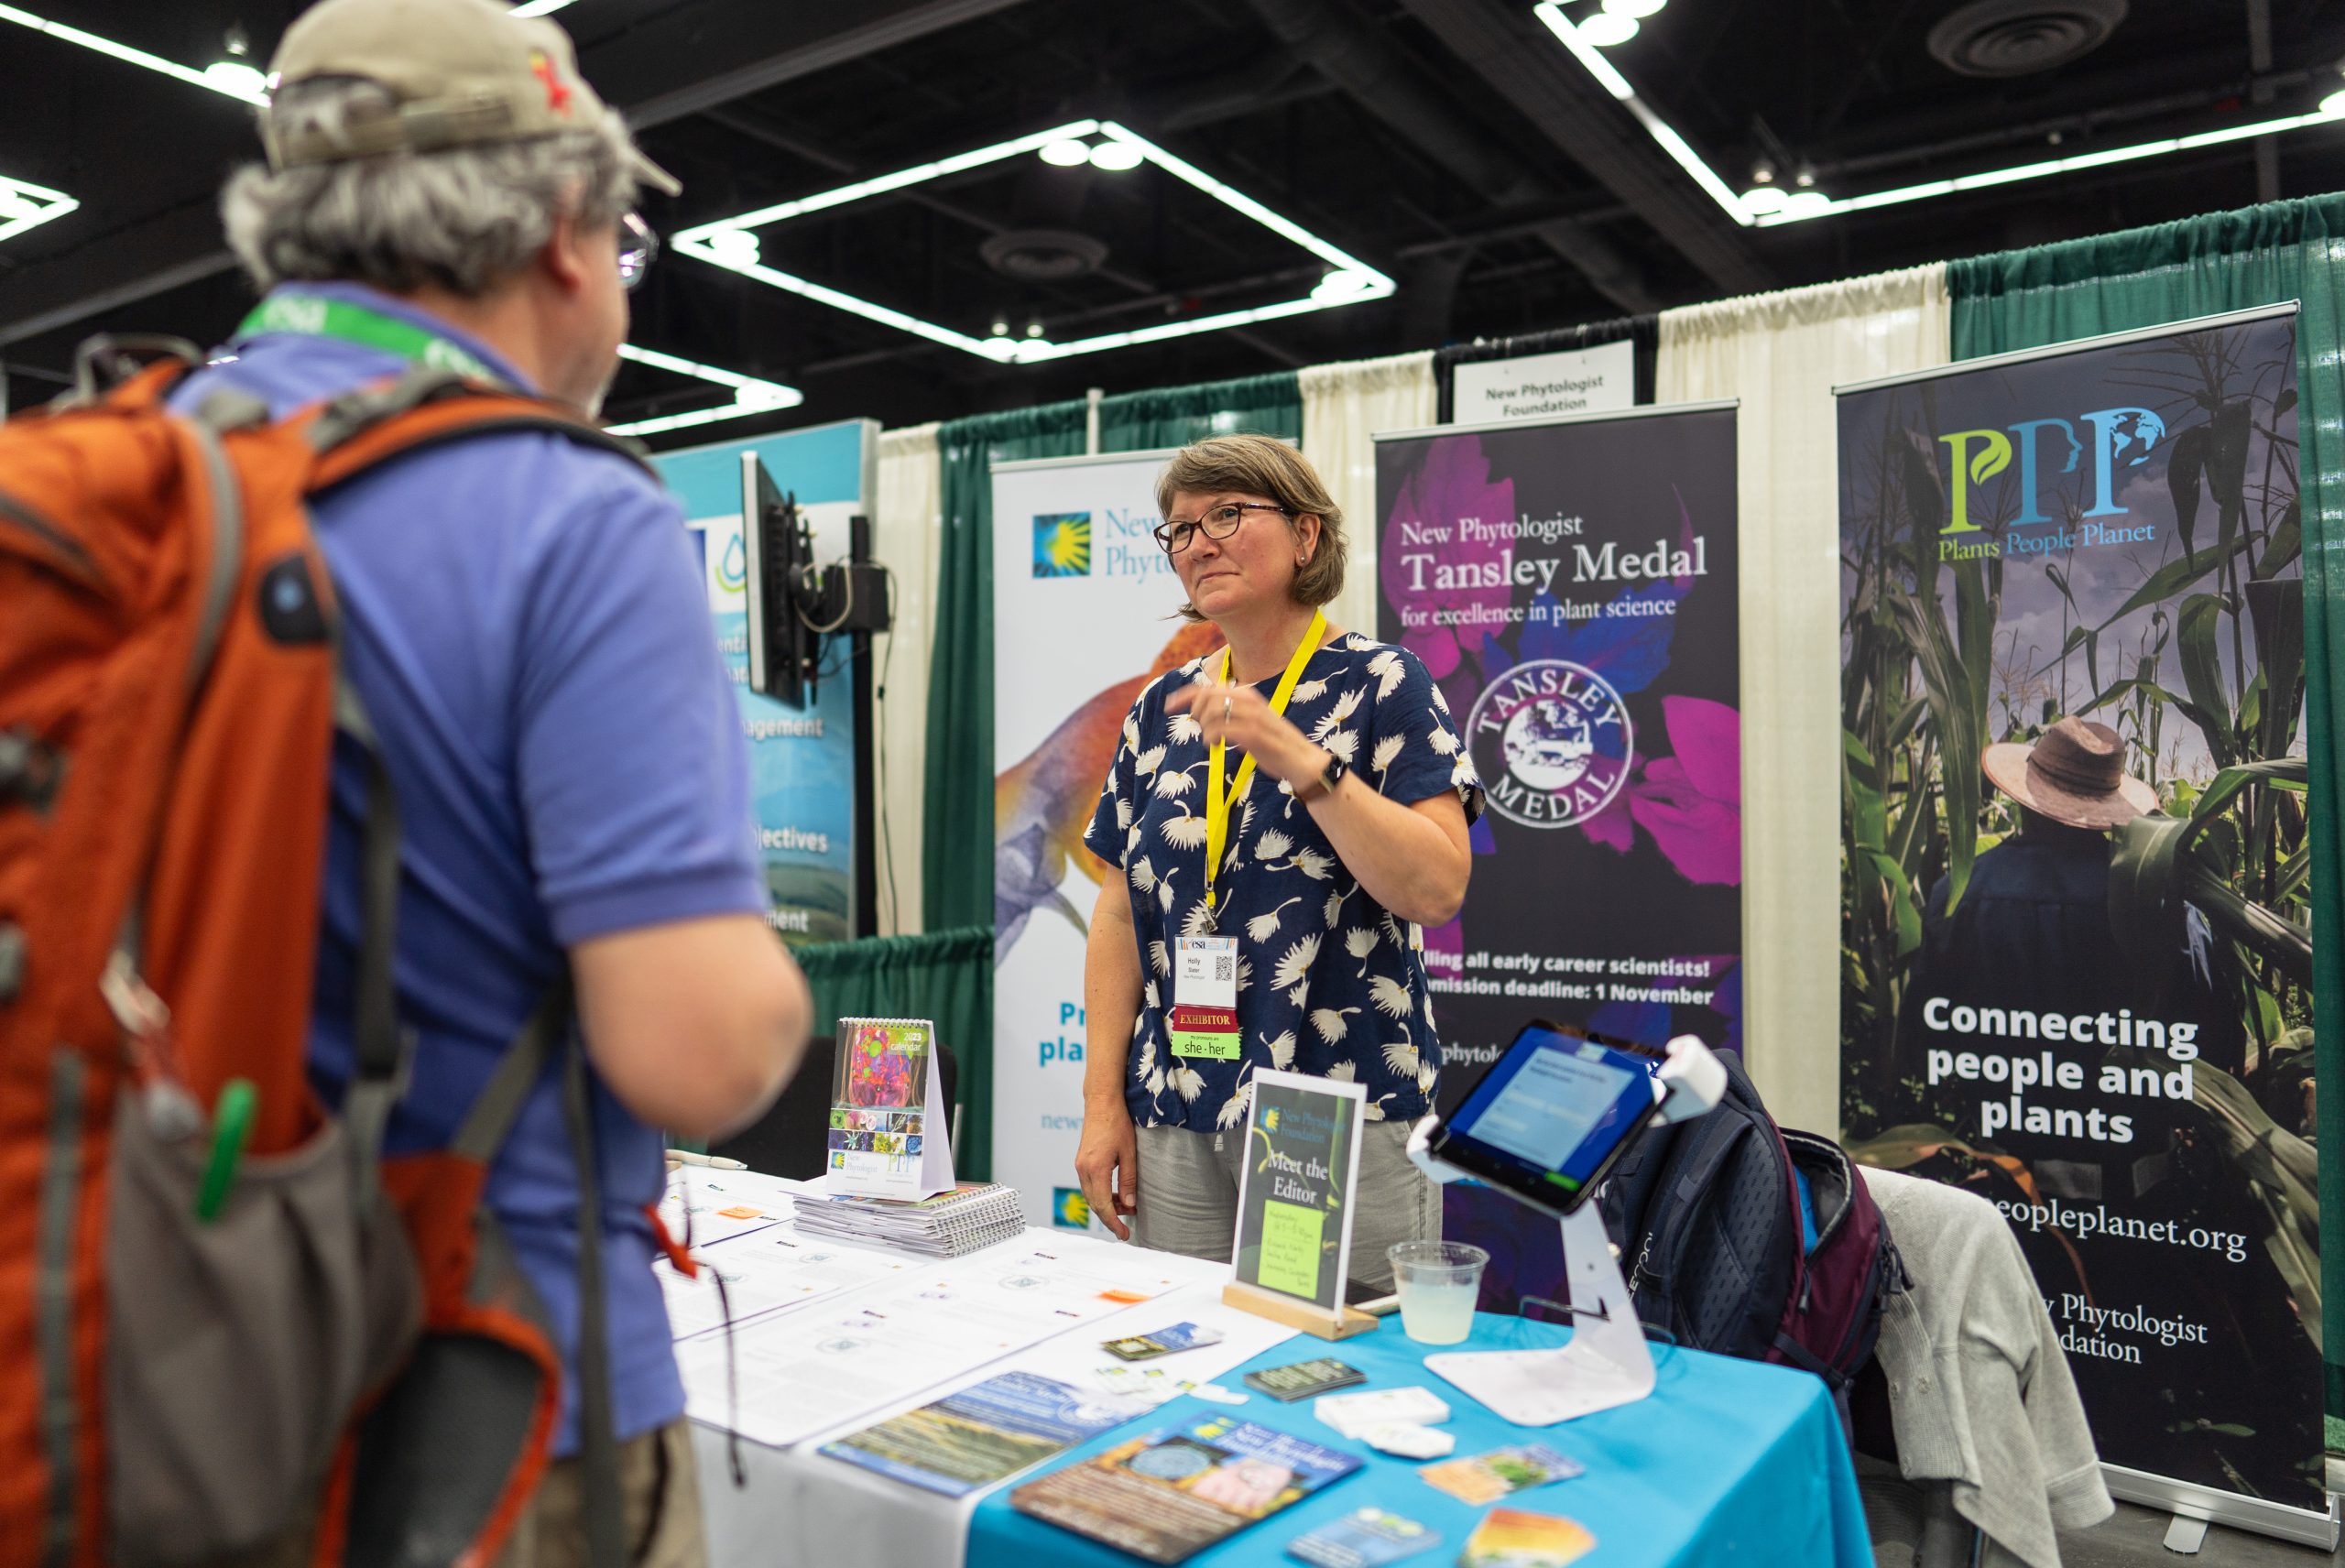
(1553, 1110)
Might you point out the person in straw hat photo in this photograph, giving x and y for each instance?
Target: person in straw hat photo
(2031, 939)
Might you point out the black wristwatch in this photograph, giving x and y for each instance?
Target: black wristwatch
(1329, 777)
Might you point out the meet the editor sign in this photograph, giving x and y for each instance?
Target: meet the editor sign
(2076, 973)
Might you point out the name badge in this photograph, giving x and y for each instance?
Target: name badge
(1203, 1021)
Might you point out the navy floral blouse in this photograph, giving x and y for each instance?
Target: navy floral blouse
(1329, 982)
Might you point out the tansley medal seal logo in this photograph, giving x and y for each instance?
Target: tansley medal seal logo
(1554, 741)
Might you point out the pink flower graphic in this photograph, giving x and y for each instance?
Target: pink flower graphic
(1692, 803)
(1453, 487)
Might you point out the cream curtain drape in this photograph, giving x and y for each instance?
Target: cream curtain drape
(1343, 406)
(1782, 355)
(907, 533)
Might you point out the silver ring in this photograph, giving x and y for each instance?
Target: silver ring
(1225, 711)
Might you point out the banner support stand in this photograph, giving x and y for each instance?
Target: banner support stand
(2186, 1500)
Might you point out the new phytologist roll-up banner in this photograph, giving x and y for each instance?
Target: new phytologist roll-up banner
(1571, 586)
(802, 760)
(1083, 618)
(2103, 1024)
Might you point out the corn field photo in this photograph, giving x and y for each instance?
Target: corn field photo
(2102, 1026)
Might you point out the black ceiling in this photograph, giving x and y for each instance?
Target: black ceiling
(1452, 143)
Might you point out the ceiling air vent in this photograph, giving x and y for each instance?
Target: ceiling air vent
(1042, 256)
(2019, 37)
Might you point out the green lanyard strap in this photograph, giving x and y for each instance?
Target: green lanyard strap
(309, 315)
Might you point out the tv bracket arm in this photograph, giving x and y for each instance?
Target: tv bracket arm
(1607, 1362)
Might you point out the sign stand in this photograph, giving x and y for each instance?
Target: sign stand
(1306, 1316)
(1297, 1182)
(889, 1134)
(1606, 1363)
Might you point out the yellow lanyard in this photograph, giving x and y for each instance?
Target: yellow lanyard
(1218, 805)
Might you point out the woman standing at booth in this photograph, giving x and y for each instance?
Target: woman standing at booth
(1305, 793)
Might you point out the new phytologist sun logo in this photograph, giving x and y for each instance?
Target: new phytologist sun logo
(1553, 740)
(1069, 1209)
(1062, 544)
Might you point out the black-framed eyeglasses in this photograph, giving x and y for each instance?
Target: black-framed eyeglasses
(638, 249)
(1218, 524)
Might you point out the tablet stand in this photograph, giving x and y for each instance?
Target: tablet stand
(1606, 1362)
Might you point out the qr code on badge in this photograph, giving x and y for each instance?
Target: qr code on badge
(1225, 967)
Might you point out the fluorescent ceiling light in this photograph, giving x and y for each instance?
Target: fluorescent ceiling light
(1638, 9)
(1362, 282)
(540, 7)
(1816, 204)
(751, 395)
(235, 81)
(23, 206)
(1608, 28)
(734, 244)
(1766, 209)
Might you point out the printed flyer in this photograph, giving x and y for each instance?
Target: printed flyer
(984, 1433)
(2077, 946)
(1171, 1493)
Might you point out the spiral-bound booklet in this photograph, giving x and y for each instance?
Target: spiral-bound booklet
(890, 1133)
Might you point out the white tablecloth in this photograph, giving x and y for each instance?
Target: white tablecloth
(798, 1507)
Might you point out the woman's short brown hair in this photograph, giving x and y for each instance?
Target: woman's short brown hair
(1263, 465)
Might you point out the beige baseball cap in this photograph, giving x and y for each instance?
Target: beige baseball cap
(465, 72)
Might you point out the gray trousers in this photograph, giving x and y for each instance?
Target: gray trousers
(1188, 1197)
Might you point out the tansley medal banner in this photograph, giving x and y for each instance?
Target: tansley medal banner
(2076, 955)
(1571, 586)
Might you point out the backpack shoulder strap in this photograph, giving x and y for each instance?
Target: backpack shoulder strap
(543, 1039)
(426, 408)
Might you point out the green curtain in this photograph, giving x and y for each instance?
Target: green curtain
(956, 814)
(2145, 278)
(945, 977)
(1174, 416)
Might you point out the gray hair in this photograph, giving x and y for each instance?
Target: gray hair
(461, 217)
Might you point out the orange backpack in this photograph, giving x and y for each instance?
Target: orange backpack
(298, 1356)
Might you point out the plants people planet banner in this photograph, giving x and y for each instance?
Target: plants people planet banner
(1571, 586)
(2076, 954)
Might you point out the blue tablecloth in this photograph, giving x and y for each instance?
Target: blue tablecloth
(1728, 1462)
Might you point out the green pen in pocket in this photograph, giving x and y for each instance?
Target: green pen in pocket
(232, 1127)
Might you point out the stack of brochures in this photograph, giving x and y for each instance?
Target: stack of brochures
(974, 1214)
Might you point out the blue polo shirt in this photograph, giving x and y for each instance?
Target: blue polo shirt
(527, 624)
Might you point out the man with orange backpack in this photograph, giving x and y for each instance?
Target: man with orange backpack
(537, 810)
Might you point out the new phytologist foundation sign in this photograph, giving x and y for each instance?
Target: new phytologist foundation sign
(2096, 1016)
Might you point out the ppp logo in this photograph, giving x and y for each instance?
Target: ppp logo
(2122, 436)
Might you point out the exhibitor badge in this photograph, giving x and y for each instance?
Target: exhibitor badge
(1552, 741)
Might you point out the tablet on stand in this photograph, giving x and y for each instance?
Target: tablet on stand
(1545, 1124)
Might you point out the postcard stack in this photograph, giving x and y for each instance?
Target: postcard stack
(974, 1214)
